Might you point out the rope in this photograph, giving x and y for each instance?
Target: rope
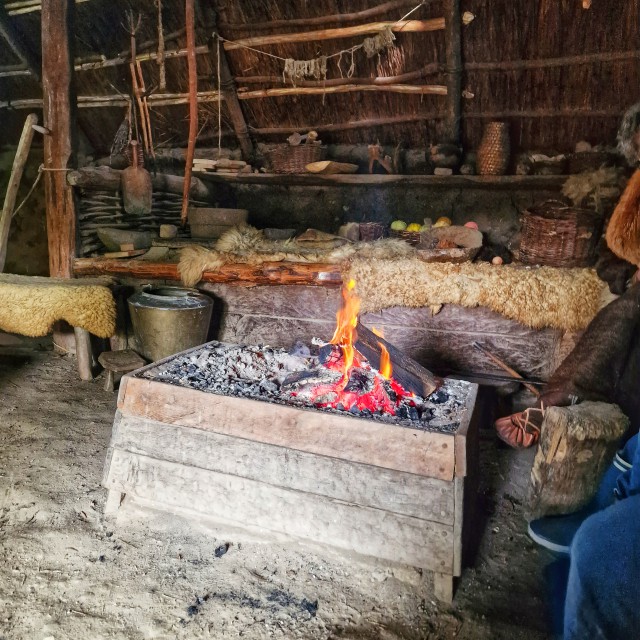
(41, 170)
(296, 66)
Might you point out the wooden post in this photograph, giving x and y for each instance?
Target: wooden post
(229, 92)
(453, 35)
(19, 162)
(59, 147)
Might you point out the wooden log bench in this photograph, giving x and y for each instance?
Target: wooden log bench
(31, 305)
(399, 494)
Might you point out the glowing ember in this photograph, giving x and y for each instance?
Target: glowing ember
(360, 387)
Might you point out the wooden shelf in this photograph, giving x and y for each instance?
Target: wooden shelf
(269, 273)
(494, 182)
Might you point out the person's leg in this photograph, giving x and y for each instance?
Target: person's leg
(603, 594)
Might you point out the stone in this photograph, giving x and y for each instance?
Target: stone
(168, 231)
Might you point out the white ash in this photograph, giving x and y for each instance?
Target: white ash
(258, 372)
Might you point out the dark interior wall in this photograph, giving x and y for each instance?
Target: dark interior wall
(497, 212)
(27, 252)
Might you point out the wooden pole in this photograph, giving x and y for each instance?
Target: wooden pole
(339, 18)
(229, 92)
(17, 170)
(190, 23)
(453, 37)
(417, 89)
(406, 26)
(59, 147)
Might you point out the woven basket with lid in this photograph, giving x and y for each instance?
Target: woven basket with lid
(494, 150)
(559, 235)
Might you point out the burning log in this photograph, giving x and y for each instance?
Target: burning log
(407, 372)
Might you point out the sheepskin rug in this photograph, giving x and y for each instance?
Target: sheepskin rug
(389, 274)
(538, 297)
(29, 306)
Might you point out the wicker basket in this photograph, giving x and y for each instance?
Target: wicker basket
(494, 150)
(559, 235)
(372, 231)
(289, 159)
(412, 237)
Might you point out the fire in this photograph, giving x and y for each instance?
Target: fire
(359, 387)
(345, 335)
(386, 369)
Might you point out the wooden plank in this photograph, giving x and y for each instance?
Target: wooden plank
(406, 26)
(406, 494)
(447, 182)
(355, 439)
(19, 162)
(59, 106)
(260, 508)
(462, 454)
(270, 273)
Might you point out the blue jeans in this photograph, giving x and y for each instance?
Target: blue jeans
(603, 593)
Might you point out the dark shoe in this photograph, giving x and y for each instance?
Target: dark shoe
(521, 430)
(556, 532)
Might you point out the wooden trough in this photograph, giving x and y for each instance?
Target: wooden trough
(398, 494)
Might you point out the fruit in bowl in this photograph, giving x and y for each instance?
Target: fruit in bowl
(398, 225)
(414, 227)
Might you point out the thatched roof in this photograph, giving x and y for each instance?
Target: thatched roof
(549, 107)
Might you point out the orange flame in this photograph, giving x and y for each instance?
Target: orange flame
(386, 369)
(345, 334)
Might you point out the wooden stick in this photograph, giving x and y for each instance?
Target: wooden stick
(18, 44)
(19, 8)
(411, 375)
(426, 89)
(145, 116)
(507, 368)
(190, 23)
(19, 162)
(339, 18)
(453, 38)
(406, 26)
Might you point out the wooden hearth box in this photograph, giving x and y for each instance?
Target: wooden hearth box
(395, 493)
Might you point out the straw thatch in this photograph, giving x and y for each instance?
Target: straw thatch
(549, 107)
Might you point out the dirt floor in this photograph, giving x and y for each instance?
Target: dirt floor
(67, 573)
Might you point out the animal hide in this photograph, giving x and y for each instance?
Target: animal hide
(623, 230)
(566, 299)
(31, 305)
(604, 366)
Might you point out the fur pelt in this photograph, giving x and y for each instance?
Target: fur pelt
(246, 245)
(30, 306)
(623, 230)
(540, 297)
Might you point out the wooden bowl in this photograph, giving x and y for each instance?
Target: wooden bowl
(469, 243)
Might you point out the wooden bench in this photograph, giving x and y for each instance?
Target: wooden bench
(32, 305)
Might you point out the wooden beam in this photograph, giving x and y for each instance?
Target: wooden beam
(453, 38)
(60, 145)
(19, 162)
(406, 26)
(426, 89)
(344, 126)
(18, 44)
(20, 7)
(339, 18)
(547, 63)
(271, 273)
(229, 92)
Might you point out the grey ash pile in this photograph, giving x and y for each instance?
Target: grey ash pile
(284, 377)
